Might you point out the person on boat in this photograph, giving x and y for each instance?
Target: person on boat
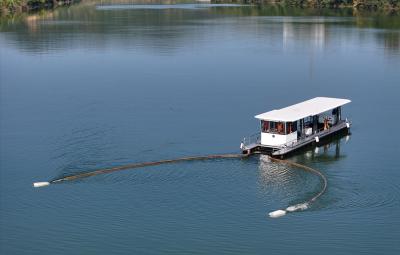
(326, 124)
(280, 128)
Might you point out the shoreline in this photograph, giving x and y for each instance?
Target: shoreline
(361, 5)
(26, 6)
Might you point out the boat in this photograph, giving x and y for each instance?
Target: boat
(286, 130)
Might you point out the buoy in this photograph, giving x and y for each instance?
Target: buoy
(317, 139)
(40, 184)
(277, 213)
(298, 207)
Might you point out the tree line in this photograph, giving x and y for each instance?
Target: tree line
(358, 4)
(12, 5)
(26, 5)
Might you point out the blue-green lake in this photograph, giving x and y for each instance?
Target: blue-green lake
(95, 85)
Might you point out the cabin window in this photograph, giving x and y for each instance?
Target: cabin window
(273, 127)
(264, 126)
(291, 127)
(308, 121)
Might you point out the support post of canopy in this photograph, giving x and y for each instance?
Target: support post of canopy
(284, 128)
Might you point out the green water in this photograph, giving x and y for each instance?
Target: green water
(93, 86)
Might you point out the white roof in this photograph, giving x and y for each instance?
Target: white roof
(304, 109)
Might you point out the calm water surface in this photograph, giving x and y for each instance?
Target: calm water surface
(89, 86)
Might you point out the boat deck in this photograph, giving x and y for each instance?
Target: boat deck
(255, 145)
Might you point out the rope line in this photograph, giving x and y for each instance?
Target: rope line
(305, 205)
(145, 164)
(274, 214)
(312, 170)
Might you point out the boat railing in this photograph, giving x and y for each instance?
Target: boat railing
(252, 139)
(316, 133)
(303, 138)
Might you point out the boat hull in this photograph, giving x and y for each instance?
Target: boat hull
(317, 139)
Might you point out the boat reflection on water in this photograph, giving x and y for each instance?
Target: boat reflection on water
(272, 174)
(280, 183)
(326, 150)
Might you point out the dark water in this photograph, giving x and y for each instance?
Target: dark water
(88, 87)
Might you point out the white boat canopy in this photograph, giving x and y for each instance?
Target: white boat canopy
(304, 109)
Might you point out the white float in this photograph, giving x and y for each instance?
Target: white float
(298, 207)
(277, 213)
(40, 184)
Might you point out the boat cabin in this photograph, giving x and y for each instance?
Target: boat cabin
(289, 128)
